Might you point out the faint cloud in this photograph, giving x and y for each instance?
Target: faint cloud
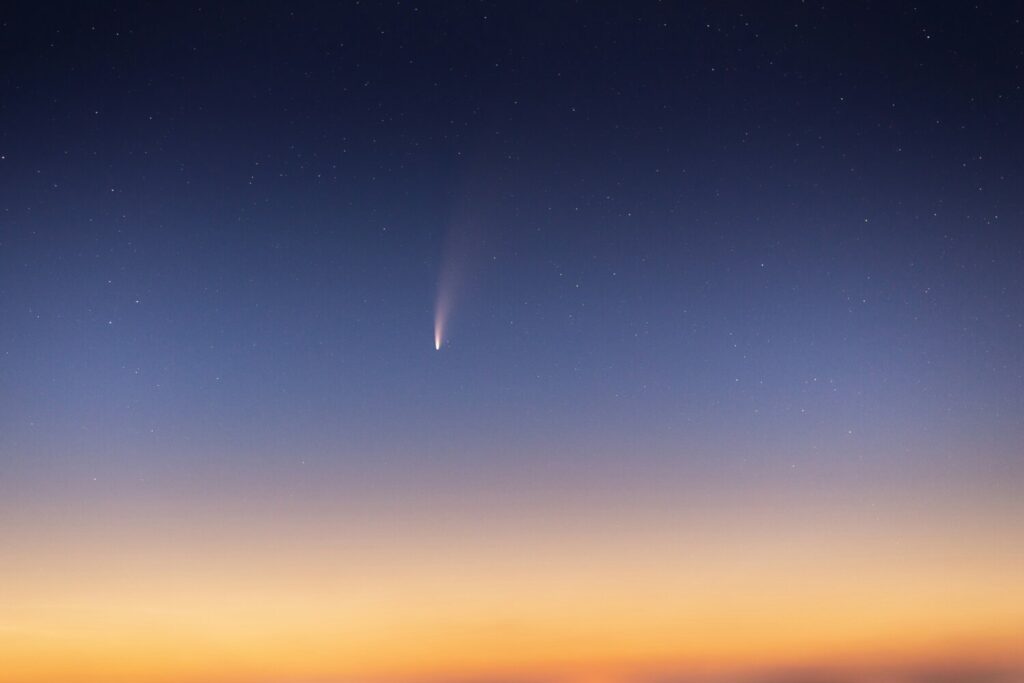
(920, 675)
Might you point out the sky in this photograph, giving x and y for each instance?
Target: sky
(477, 342)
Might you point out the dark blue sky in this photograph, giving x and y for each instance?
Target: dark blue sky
(227, 215)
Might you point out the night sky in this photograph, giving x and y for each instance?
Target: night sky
(730, 305)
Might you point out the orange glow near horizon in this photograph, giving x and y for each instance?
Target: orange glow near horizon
(289, 593)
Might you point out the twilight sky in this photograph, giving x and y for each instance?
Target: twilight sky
(731, 309)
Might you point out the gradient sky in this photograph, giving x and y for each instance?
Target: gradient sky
(732, 377)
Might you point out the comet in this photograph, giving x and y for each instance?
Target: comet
(449, 283)
(460, 262)
(441, 309)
